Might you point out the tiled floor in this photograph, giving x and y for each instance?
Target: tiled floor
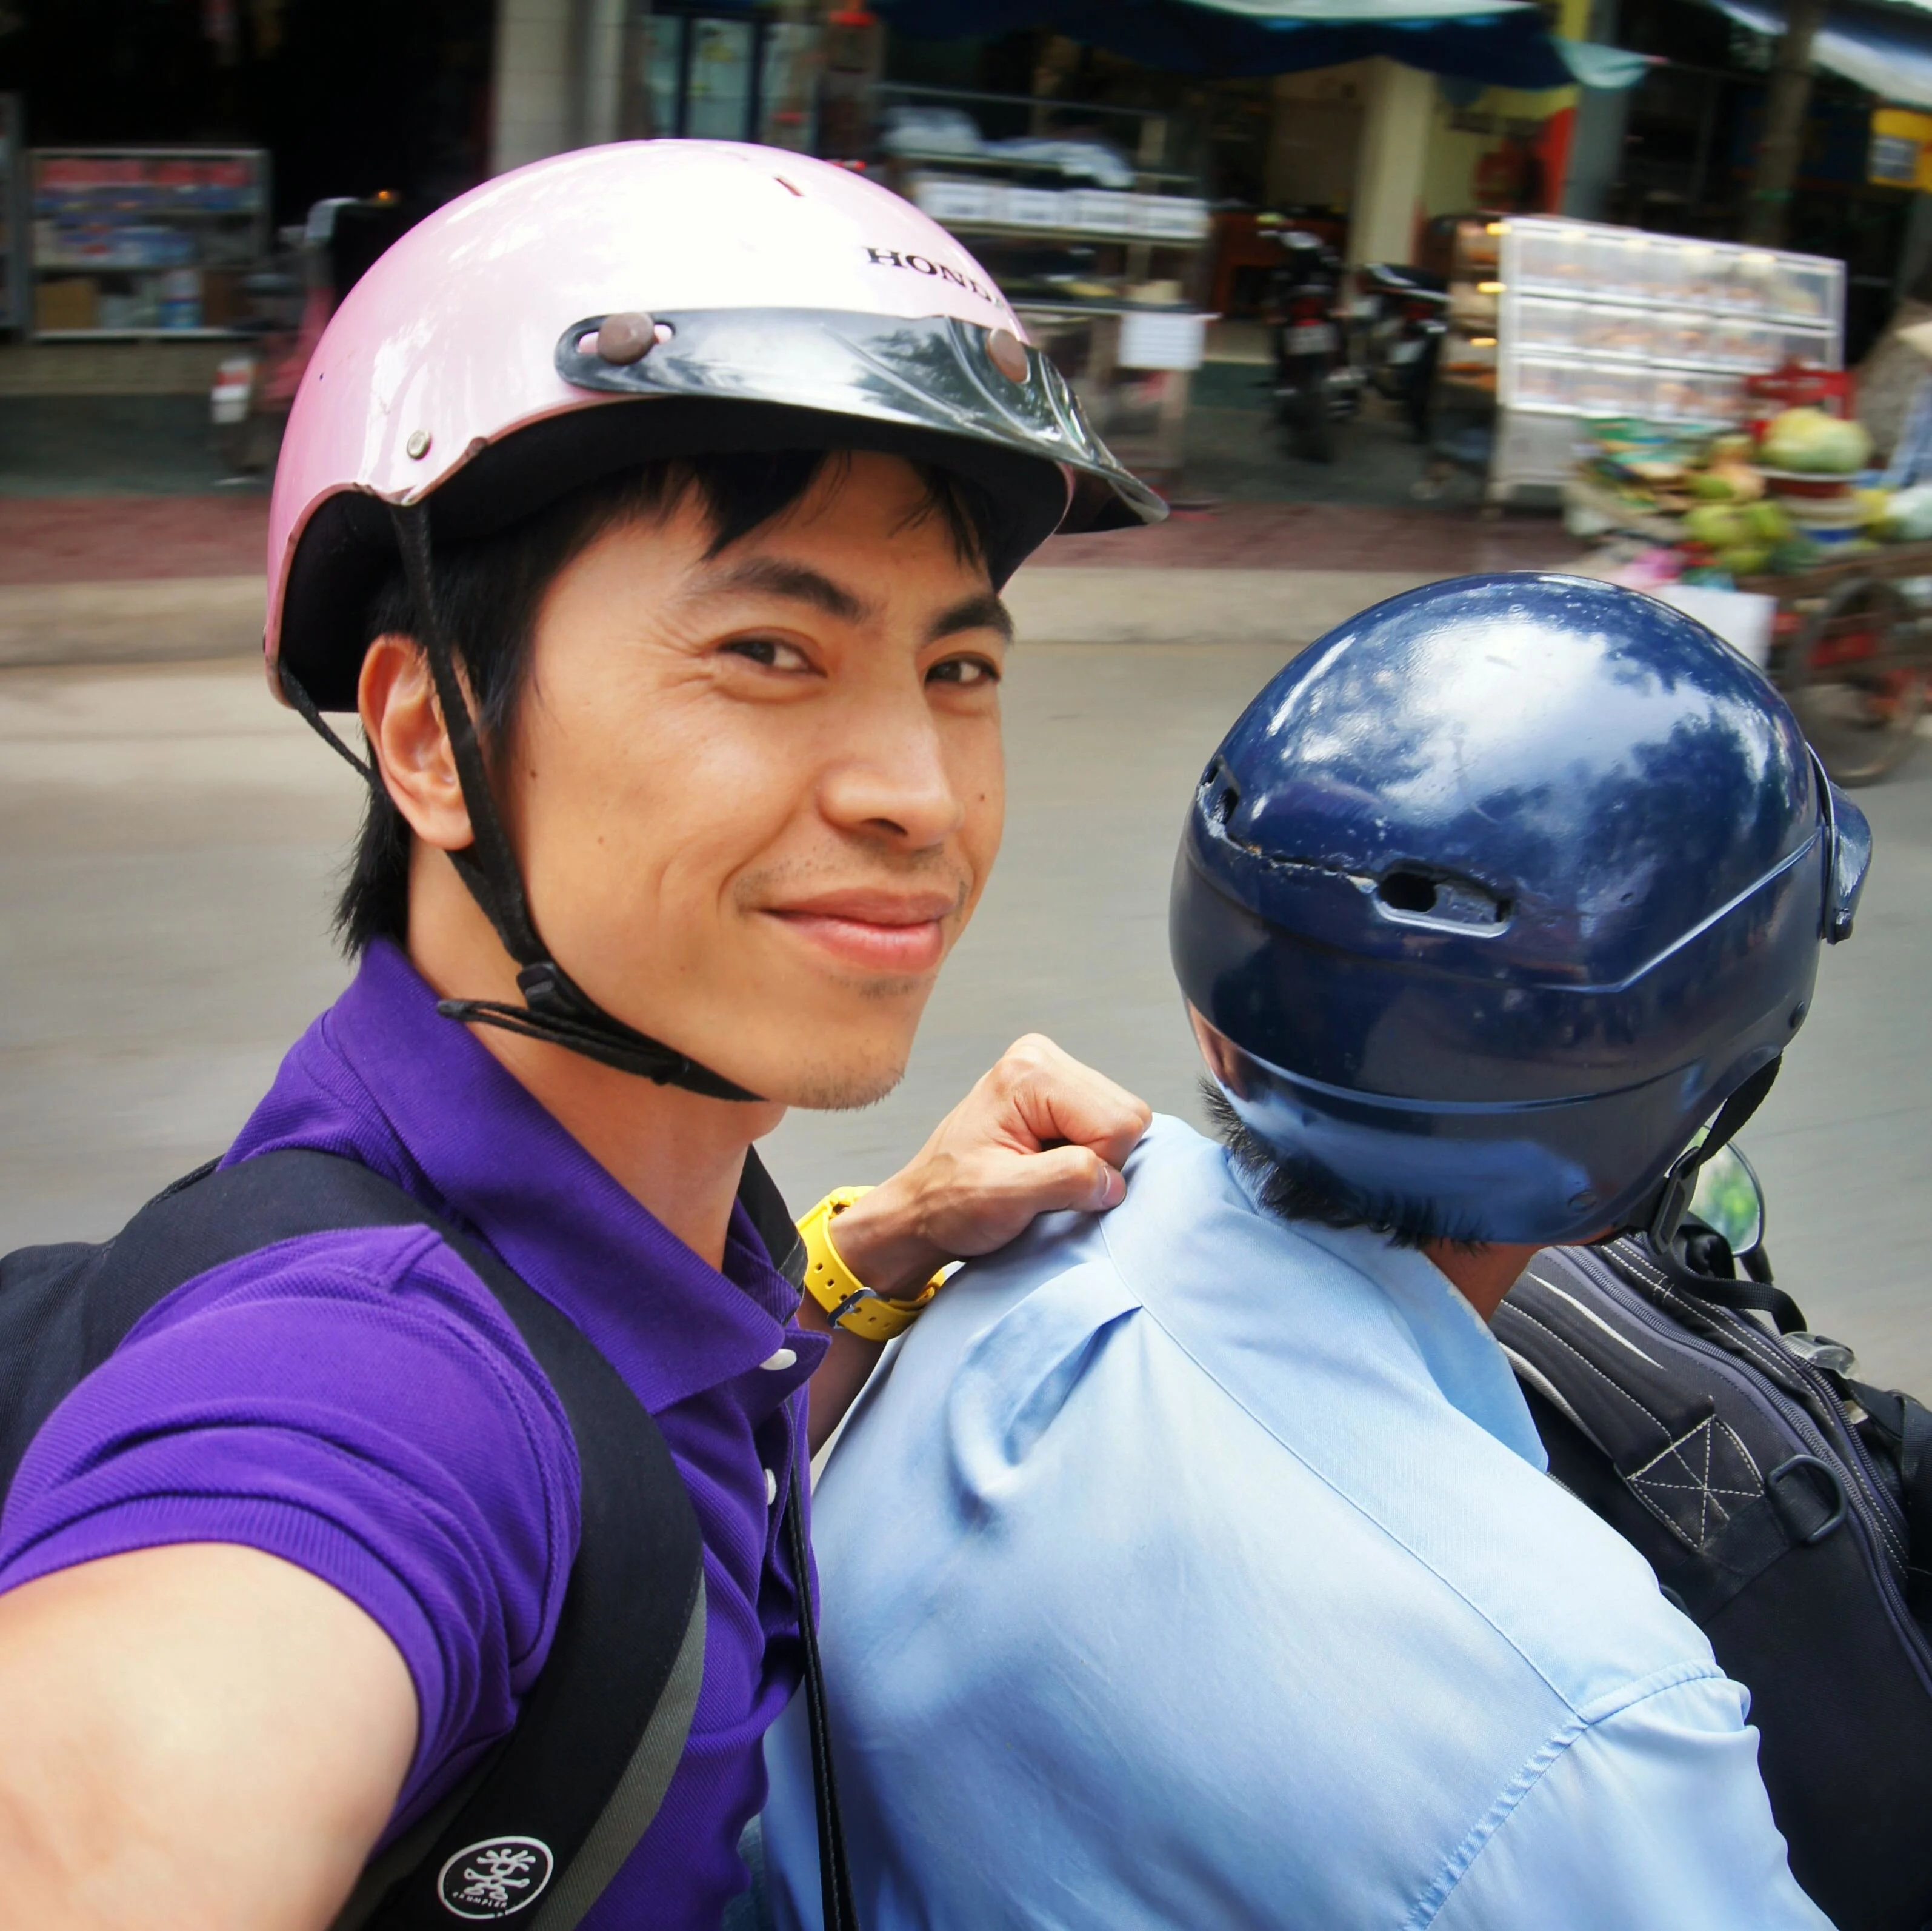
(59, 539)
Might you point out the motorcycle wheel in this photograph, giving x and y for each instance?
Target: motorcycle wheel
(1855, 700)
(240, 445)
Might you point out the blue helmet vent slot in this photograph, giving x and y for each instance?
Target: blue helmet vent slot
(1419, 898)
(1220, 796)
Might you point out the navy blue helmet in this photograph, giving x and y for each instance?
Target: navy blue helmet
(1495, 894)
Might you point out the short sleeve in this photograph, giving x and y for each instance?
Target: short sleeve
(357, 1404)
(1654, 1815)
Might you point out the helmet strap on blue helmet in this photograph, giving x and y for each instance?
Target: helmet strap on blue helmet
(1672, 1200)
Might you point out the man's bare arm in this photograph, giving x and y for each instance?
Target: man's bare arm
(196, 1738)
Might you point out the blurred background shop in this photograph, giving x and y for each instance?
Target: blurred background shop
(1126, 171)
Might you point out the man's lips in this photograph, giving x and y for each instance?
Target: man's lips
(899, 932)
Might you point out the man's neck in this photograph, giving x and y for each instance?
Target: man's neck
(1482, 1276)
(680, 1154)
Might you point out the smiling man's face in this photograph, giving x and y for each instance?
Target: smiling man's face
(757, 796)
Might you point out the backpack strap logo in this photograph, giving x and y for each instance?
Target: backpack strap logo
(495, 1878)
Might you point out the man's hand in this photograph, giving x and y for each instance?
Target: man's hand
(1040, 1132)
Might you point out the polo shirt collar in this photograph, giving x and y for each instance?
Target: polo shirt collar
(671, 1324)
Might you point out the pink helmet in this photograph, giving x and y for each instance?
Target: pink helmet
(505, 349)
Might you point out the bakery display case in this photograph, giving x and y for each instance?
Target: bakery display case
(1580, 320)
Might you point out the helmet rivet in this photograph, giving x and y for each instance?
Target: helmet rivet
(627, 338)
(418, 446)
(1007, 354)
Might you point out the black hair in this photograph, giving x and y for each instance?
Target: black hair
(1304, 1190)
(488, 593)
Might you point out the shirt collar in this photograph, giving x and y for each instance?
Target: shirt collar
(669, 1322)
(1462, 1357)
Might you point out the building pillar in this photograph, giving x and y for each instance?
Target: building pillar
(1389, 167)
(531, 108)
(558, 68)
(1597, 145)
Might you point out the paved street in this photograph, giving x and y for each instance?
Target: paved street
(168, 841)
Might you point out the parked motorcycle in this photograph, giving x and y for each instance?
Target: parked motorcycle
(290, 300)
(1314, 384)
(1403, 314)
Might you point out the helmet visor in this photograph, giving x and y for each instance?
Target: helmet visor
(932, 374)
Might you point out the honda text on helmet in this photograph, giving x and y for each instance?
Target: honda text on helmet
(1498, 894)
(617, 306)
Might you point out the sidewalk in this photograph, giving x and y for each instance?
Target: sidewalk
(128, 579)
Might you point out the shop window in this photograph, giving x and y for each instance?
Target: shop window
(728, 77)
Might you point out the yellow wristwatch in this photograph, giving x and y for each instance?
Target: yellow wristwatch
(849, 1305)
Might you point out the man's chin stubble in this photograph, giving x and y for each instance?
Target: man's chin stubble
(844, 1089)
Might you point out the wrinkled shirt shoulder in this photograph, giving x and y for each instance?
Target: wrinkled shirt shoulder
(1182, 1567)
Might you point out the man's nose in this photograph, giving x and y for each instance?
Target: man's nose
(894, 782)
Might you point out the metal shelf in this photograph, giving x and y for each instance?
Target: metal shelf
(1022, 228)
(155, 335)
(1655, 304)
(1565, 357)
(1026, 304)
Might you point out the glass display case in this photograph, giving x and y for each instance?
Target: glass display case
(144, 241)
(1582, 320)
(1596, 321)
(728, 77)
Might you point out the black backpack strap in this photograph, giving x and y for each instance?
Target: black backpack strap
(758, 1194)
(1904, 1427)
(566, 1796)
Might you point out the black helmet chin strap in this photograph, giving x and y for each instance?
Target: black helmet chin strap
(1672, 1200)
(555, 1008)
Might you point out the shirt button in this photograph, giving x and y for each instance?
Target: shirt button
(771, 1488)
(786, 1357)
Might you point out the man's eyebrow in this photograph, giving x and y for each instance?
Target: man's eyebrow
(983, 611)
(772, 576)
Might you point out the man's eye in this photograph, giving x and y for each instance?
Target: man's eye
(968, 670)
(773, 653)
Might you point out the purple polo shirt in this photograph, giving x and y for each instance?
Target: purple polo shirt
(357, 1404)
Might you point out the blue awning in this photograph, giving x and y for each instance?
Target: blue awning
(1498, 42)
(1887, 50)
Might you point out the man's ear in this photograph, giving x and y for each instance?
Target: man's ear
(403, 724)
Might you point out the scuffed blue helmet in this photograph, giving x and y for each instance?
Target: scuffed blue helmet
(1496, 894)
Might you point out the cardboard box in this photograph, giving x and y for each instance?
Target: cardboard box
(1170, 218)
(1104, 210)
(72, 301)
(1035, 207)
(949, 200)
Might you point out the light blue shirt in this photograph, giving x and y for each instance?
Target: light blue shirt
(1182, 1568)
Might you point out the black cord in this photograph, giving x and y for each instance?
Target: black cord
(835, 1874)
(297, 694)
